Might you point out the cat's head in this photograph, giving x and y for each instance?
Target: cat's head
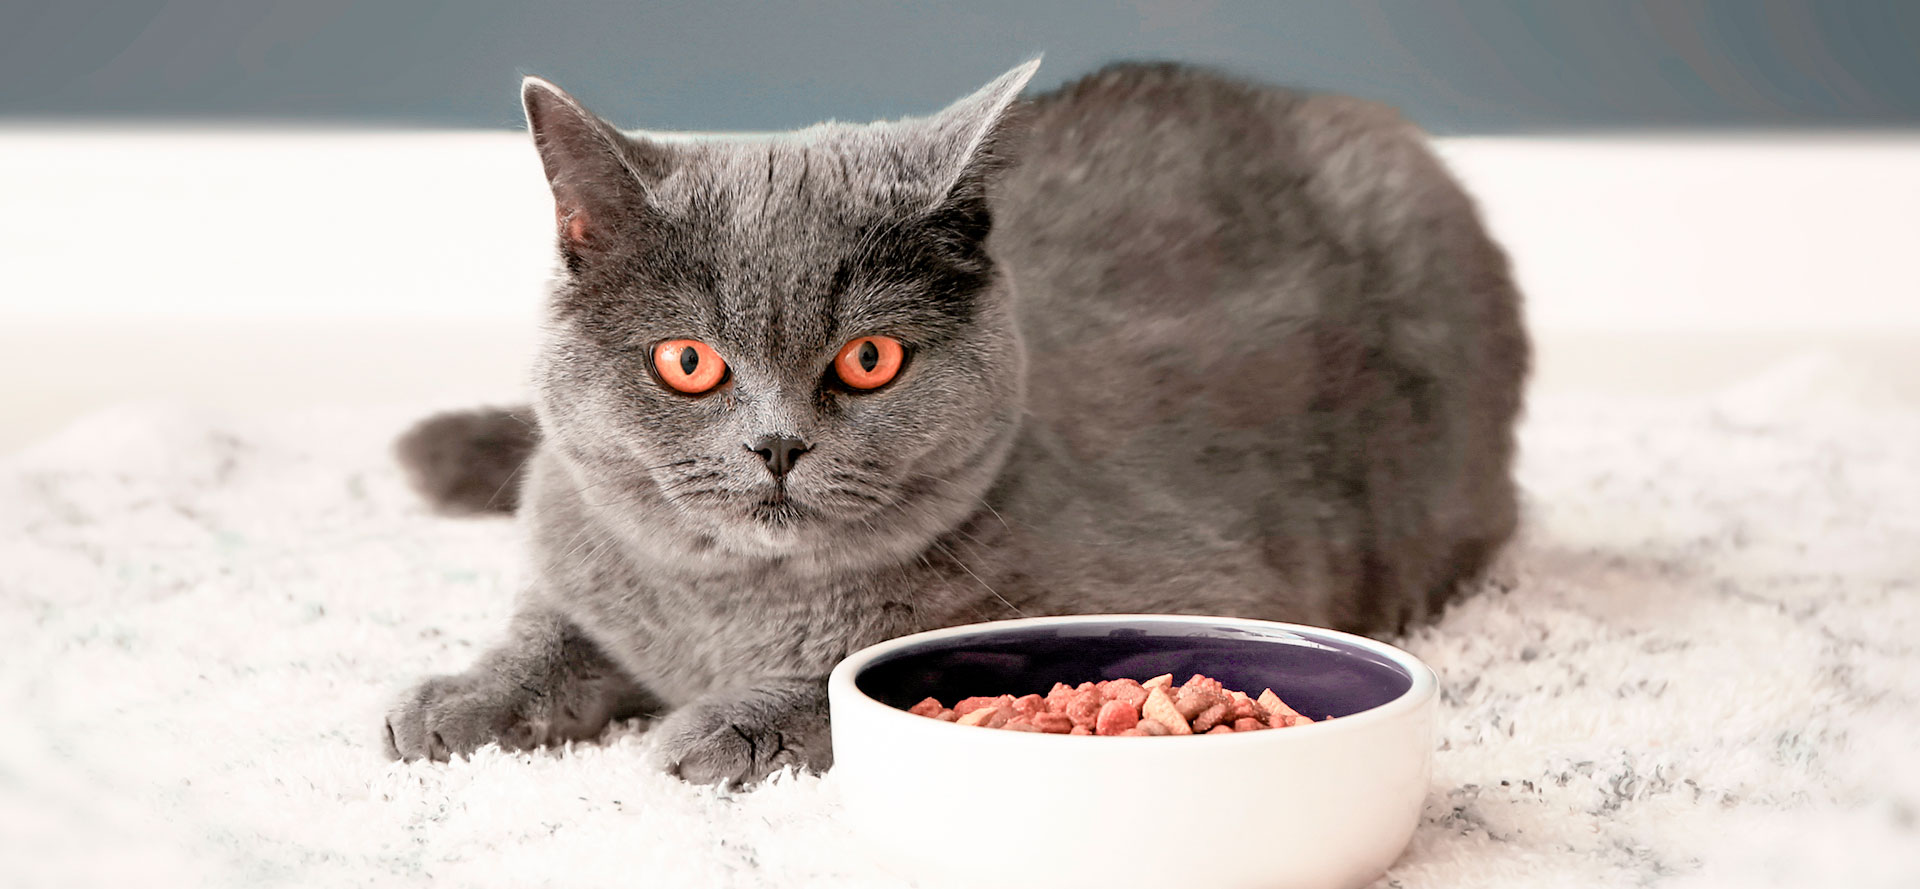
(787, 346)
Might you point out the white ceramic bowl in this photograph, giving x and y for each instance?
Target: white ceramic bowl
(1325, 805)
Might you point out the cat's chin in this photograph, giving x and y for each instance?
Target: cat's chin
(759, 541)
(775, 526)
(783, 528)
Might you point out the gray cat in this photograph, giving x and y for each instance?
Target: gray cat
(1159, 341)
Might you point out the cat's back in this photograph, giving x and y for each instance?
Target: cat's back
(1261, 325)
(1161, 188)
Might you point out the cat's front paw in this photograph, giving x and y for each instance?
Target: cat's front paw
(448, 716)
(741, 737)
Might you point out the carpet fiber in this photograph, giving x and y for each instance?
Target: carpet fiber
(1696, 667)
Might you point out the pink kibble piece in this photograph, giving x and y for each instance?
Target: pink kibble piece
(1214, 715)
(928, 707)
(1116, 717)
(1161, 709)
(968, 705)
(1053, 723)
(1133, 693)
(1272, 704)
(1084, 707)
(1239, 706)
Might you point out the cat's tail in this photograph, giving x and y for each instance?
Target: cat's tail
(469, 462)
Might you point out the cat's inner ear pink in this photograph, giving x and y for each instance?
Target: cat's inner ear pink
(573, 223)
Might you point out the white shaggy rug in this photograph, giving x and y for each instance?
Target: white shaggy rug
(1696, 668)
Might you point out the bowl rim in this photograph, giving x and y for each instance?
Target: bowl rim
(1423, 688)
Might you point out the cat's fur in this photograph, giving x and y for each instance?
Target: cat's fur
(1179, 343)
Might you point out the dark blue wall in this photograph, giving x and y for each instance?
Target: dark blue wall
(1455, 66)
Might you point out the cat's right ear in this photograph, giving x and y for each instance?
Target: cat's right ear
(598, 174)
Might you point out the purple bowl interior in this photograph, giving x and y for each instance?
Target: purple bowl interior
(1317, 676)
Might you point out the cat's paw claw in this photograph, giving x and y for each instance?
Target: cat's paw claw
(732, 755)
(722, 743)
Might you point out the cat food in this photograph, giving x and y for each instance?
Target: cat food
(1123, 707)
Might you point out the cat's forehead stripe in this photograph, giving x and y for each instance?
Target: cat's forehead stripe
(795, 256)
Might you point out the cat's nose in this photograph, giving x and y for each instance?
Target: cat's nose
(779, 452)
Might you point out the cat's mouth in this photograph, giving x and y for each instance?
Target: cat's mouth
(778, 509)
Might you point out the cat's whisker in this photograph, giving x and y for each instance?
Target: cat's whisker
(982, 500)
(640, 494)
(512, 477)
(632, 475)
(987, 586)
(996, 513)
(686, 481)
(579, 543)
(924, 512)
(936, 520)
(609, 540)
(977, 498)
(585, 529)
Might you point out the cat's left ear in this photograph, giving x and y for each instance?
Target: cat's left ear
(973, 138)
(599, 175)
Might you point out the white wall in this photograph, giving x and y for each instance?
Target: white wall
(1735, 234)
(243, 268)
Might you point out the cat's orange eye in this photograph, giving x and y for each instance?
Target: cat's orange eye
(869, 362)
(689, 366)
